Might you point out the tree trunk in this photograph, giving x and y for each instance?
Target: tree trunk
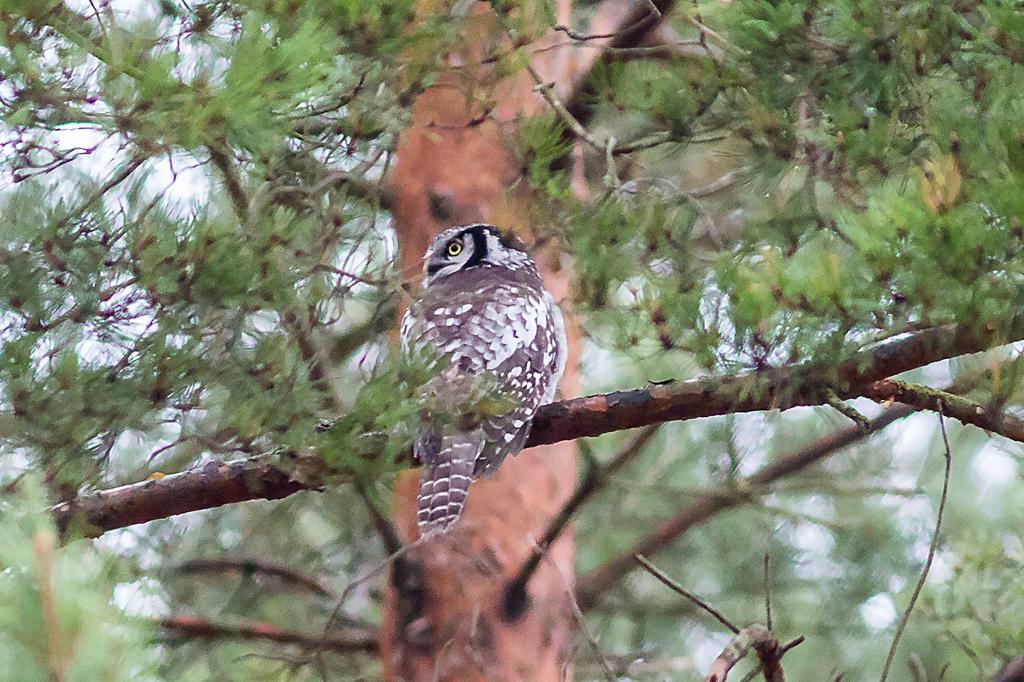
(443, 617)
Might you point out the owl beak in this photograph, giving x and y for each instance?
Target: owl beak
(434, 267)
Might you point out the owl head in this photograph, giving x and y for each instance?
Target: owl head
(463, 247)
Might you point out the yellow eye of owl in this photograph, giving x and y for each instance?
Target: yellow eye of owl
(454, 248)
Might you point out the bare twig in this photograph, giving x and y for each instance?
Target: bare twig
(847, 411)
(546, 91)
(356, 582)
(756, 637)
(932, 549)
(679, 589)
(581, 622)
(767, 592)
(126, 170)
(706, 31)
(651, 15)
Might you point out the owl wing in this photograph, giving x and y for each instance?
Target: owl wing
(511, 334)
(557, 347)
(529, 377)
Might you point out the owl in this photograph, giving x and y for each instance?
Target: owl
(485, 323)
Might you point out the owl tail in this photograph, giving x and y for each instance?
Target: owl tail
(443, 488)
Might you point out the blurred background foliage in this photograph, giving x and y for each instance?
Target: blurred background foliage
(197, 262)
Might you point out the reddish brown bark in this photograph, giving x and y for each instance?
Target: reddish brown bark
(443, 616)
(219, 483)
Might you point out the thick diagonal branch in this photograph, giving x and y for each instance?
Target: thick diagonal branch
(217, 484)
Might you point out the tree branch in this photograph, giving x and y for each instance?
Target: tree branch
(682, 591)
(211, 485)
(957, 407)
(631, 24)
(593, 585)
(217, 483)
(764, 644)
(340, 641)
(260, 567)
(757, 637)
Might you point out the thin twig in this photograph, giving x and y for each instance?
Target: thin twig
(547, 92)
(767, 591)
(705, 30)
(355, 582)
(932, 549)
(653, 15)
(679, 589)
(847, 411)
(130, 167)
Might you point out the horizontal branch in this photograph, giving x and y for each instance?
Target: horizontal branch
(195, 627)
(782, 388)
(220, 483)
(957, 407)
(257, 567)
(908, 398)
(212, 485)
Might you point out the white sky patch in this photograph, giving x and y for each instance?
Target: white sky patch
(815, 545)
(141, 598)
(942, 568)
(879, 612)
(1013, 545)
(121, 541)
(229, 538)
(897, 583)
(916, 517)
(994, 470)
(752, 432)
(707, 649)
(913, 434)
